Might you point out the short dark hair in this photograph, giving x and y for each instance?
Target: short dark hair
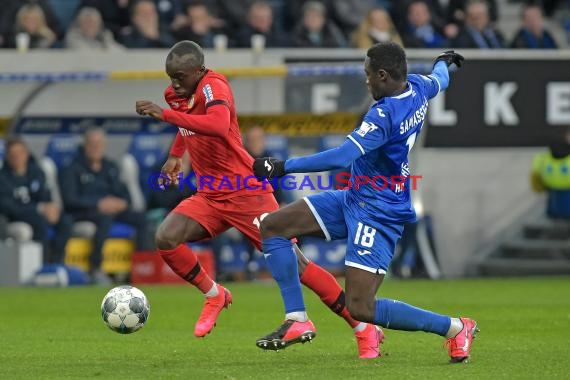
(190, 51)
(390, 57)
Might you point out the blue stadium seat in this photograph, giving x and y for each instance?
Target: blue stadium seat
(329, 255)
(121, 231)
(147, 152)
(277, 146)
(62, 149)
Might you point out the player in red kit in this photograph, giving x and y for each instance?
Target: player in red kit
(203, 108)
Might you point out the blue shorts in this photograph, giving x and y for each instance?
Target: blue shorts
(370, 243)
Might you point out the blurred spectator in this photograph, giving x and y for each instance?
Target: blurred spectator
(478, 33)
(25, 197)
(233, 13)
(170, 12)
(92, 191)
(198, 26)
(399, 14)
(316, 30)
(377, 27)
(457, 13)
(145, 30)
(8, 15)
(260, 21)
(532, 35)
(254, 143)
(420, 32)
(115, 13)
(551, 173)
(88, 32)
(350, 13)
(30, 20)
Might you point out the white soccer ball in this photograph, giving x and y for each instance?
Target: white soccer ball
(125, 309)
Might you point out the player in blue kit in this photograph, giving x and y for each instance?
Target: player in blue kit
(370, 214)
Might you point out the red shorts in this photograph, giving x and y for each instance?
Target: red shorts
(242, 212)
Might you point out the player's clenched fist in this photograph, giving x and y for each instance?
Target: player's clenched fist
(450, 57)
(145, 107)
(171, 168)
(268, 167)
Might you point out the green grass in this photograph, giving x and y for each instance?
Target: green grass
(58, 333)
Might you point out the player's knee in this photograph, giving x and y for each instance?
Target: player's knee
(269, 226)
(166, 238)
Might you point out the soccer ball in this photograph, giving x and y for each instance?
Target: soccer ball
(125, 309)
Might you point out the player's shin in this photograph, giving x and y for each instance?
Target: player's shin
(328, 289)
(185, 263)
(282, 262)
(397, 315)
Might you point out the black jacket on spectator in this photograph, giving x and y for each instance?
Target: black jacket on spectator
(470, 39)
(274, 39)
(20, 195)
(82, 188)
(330, 37)
(132, 38)
(526, 40)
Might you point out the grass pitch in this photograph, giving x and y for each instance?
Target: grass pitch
(58, 333)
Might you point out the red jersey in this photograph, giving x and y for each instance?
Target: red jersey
(208, 129)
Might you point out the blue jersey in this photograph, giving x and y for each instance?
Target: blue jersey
(380, 181)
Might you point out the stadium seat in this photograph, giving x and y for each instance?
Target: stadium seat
(144, 153)
(62, 148)
(277, 146)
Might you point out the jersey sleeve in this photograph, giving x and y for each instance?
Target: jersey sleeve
(216, 91)
(373, 132)
(437, 81)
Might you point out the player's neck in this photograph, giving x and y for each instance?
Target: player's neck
(399, 88)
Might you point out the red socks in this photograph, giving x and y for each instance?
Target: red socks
(185, 263)
(328, 289)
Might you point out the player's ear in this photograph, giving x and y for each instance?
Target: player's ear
(382, 74)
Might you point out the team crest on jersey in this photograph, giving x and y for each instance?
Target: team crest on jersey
(191, 102)
(366, 127)
(174, 104)
(208, 93)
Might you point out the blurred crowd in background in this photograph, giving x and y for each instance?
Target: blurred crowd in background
(120, 24)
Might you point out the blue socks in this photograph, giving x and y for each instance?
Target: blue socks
(397, 315)
(282, 261)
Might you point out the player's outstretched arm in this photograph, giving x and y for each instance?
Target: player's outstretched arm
(441, 67)
(216, 121)
(335, 158)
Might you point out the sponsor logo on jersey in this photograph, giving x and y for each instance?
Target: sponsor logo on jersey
(208, 93)
(380, 112)
(366, 127)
